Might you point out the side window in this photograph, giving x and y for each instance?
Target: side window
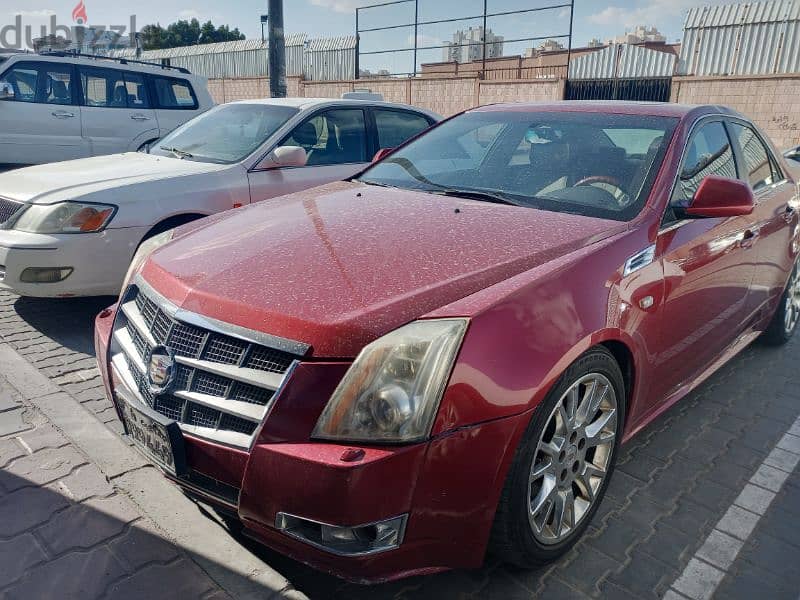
(174, 94)
(22, 79)
(709, 153)
(395, 126)
(103, 88)
(332, 138)
(136, 90)
(55, 84)
(760, 169)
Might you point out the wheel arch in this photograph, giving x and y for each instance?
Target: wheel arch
(172, 222)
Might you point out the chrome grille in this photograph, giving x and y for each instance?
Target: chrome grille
(223, 384)
(8, 208)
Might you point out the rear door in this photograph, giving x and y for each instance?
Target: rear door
(41, 123)
(116, 110)
(337, 146)
(774, 217)
(175, 102)
(394, 126)
(708, 266)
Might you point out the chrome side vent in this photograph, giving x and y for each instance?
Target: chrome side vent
(639, 260)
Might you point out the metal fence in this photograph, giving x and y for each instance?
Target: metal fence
(314, 59)
(622, 60)
(742, 39)
(485, 18)
(649, 89)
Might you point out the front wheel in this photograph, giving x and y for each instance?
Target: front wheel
(563, 464)
(784, 322)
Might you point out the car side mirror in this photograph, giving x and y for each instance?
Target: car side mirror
(6, 91)
(381, 154)
(721, 197)
(285, 156)
(793, 154)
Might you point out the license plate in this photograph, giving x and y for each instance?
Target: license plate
(158, 438)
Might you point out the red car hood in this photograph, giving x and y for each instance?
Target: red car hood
(338, 266)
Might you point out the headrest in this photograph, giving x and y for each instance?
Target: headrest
(305, 134)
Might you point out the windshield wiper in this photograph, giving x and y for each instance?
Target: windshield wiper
(178, 152)
(474, 195)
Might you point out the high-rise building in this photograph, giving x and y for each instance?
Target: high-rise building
(467, 45)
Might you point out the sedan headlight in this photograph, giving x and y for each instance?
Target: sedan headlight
(65, 217)
(392, 391)
(146, 248)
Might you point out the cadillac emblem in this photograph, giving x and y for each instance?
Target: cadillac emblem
(160, 369)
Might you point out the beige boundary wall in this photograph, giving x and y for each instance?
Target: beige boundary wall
(444, 95)
(772, 101)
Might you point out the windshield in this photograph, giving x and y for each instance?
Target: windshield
(593, 164)
(225, 134)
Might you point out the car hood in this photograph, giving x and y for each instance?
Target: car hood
(338, 266)
(56, 182)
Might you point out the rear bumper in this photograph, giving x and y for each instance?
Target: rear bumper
(99, 261)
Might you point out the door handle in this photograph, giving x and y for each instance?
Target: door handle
(789, 213)
(62, 114)
(748, 238)
(138, 117)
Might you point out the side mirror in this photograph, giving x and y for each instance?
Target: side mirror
(285, 156)
(6, 91)
(793, 154)
(721, 197)
(381, 154)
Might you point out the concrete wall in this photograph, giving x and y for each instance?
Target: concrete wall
(444, 95)
(772, 101)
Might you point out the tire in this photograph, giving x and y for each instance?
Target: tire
(784, 321)
(515, 538)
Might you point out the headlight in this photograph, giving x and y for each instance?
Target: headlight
(65, 217)
(392, 391)
(146, 248)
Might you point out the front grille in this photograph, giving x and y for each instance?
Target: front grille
(8, 208)
(225, 405)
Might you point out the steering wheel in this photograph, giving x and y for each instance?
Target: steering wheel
(620, 195)
(607, 179)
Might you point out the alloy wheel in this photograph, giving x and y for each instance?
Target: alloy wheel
(572, 458)
(792, 309)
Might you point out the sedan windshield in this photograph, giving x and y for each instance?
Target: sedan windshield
(593, 164)
(225, 134)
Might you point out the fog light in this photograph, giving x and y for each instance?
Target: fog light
(345, 541)
(45, 274)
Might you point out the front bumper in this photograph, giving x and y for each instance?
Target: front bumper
(445, 489)
(99, 261)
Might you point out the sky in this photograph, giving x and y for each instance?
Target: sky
(326, 18)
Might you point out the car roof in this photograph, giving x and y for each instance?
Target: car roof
(102, 62)
(309, 103)
(656, 109)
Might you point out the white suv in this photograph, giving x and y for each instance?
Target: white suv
(58, 106)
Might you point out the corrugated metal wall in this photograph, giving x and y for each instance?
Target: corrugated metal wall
(622, 61)
(742, 39)
(330, 59)
(323, 59)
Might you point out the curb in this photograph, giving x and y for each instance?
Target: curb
(233, 567)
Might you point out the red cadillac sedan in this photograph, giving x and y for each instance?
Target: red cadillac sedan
(395, 374)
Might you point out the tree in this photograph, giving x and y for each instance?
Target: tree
(186, 33)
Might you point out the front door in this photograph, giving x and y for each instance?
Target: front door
(116, 110)
(335, 142)
(708, 266)
(41, 123)
(774, 218)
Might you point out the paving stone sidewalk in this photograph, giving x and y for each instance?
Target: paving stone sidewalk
(673, 482)
(64, 530)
